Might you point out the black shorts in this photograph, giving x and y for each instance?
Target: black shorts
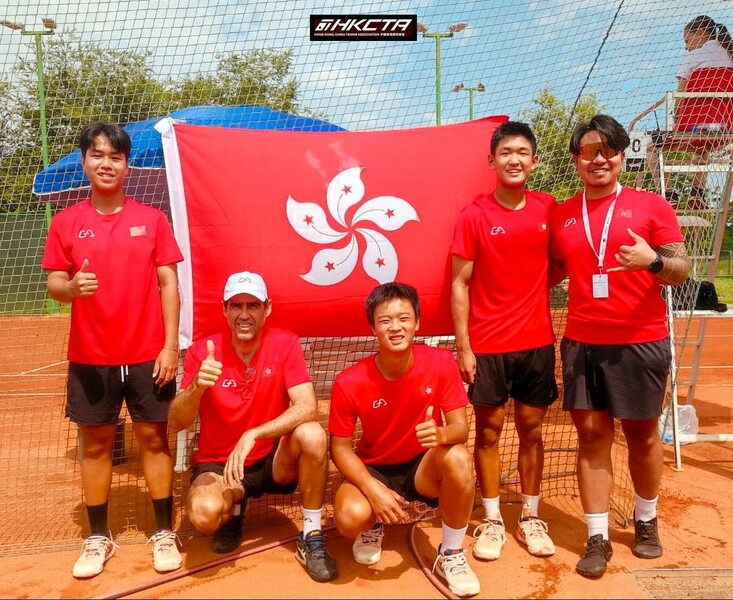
(527, 376)
(627, 380)
(94, 394)
(257, 477)
(401, 479)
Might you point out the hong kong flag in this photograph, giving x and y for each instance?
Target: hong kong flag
(323, 216)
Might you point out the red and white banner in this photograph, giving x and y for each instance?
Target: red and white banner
(323, 216)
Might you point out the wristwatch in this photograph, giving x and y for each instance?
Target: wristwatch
(657, 265)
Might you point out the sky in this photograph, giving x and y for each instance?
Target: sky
(515, 48)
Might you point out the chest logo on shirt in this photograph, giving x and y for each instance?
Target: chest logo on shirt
(267, 372)
(86, 233)
(428, 390)
(570, 221)
(378, 403)
(624, 213)
(229, 383)
(138, 231)
(498, 230)
(543, 226)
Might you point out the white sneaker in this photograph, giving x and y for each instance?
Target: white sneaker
(491, 536)
(532, 531)
(454, 568)
(95, 551)
(166, 556)
(368, 546)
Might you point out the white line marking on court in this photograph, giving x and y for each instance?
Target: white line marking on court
(17, 375)
(56, 364)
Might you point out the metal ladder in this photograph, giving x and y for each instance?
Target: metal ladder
(704, 255)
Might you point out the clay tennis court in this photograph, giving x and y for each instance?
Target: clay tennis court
(43, 518)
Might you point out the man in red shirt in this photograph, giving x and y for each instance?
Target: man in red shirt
(250, 387)
(406, 451)
(504, 334)
(115, 261)
(618, 247)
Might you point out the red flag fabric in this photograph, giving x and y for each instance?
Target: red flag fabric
(323, 216)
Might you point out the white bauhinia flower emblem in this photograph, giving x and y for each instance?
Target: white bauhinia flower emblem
(333, 265)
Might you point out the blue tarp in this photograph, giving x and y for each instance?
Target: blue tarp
(147, 150)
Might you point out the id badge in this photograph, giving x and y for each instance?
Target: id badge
(600, 285)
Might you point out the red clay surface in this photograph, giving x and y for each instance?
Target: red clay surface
(694, 528)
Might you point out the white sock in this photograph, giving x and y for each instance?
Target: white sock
(597, 523)
(530, 505)
(645, 510)
(311, 519)
(452, 538)
(491, 506)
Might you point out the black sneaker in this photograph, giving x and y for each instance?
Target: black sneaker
(597, 554)
(312, 553)
(229, 535)
(646, 540)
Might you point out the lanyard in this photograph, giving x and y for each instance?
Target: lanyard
(606, 226)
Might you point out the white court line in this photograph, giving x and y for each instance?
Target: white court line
(16, 375)
(56, 364)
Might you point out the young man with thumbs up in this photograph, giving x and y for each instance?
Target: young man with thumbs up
(411, 403)
(619, 247)
(115, 261)
(259, 433)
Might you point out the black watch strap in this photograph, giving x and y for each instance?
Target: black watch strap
(657, 265)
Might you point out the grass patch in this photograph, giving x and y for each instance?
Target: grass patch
(724, 287)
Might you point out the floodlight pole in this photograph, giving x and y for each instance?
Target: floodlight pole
(50, 26)
(438, 37)
(462, 88)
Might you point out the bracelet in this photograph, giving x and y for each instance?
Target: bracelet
(169, 348)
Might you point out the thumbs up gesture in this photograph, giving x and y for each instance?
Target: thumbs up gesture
(428, 433)
(634, 257)
(84, 282)
(210, 369)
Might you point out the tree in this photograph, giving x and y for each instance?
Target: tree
(86, 82)
(257, 77)
(552, 122)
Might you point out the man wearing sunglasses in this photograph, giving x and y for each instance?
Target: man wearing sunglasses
(250, 387)
(618, 246)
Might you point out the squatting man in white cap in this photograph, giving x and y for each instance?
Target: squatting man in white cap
(251, 389)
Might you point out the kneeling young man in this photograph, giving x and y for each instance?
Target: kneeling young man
(250, 387)
(405, 452)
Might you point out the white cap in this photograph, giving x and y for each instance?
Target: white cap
(245, 283)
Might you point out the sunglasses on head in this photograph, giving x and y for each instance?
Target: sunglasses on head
(590, 151)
